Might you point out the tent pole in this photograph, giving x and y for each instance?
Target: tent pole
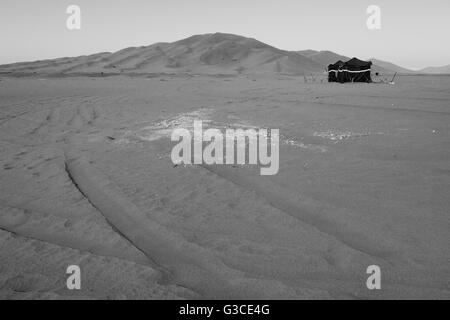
(393, 77)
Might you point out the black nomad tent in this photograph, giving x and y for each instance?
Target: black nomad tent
(354, 70)
(334, 69)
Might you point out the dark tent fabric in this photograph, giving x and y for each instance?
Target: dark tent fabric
(354, 70)
(333, 70)
(358, 64)
(358, 70)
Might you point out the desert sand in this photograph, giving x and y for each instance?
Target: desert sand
(86, 179)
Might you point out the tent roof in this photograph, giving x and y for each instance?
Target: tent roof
(336, 65)
(355, 62)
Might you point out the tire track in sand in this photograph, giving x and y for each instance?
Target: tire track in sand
(344, 226)
(24, 223)
(184, 263)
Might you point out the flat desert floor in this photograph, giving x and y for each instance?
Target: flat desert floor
(86, 179)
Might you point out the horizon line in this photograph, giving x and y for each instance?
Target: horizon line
(214, 33)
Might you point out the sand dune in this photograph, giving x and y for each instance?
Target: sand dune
(390, 66)
(437, 70)
(323, 57)
(217, 53)
(210, 53)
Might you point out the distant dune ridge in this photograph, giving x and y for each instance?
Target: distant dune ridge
(326, 58)
(390, 66)
(323, 57)
(437, 70)
(216, 53)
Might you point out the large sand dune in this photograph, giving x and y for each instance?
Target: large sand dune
(217, 53)
(211, 54)
(437, 70)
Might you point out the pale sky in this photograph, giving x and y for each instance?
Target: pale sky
(414, 33)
